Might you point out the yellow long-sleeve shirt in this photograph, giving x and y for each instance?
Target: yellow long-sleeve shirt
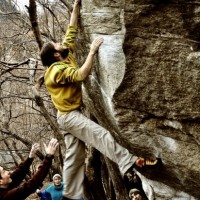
(63, 80)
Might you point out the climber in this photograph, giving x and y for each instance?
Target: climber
(63, 80)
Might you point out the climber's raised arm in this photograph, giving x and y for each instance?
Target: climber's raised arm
(87, 66)
(75, 13)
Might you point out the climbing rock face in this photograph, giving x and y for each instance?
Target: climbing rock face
(145, 85)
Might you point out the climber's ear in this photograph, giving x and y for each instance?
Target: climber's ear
(57, 55)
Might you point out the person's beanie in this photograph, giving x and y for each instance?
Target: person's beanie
(57, 175)
(134, 191)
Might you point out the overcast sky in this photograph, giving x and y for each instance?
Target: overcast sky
(22, 3)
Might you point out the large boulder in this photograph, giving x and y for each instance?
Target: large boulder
(145, 85)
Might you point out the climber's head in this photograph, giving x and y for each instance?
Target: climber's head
(52, 52)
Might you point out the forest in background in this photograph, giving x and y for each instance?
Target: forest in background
(22, 121)
(24, 116)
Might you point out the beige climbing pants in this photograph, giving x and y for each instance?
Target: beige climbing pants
(78, 130)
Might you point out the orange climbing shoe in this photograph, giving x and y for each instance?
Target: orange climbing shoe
(150, 162)
(146, 163)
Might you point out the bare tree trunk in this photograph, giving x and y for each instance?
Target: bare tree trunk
(107, 183)
(33, 66)
(33, 19)
(15, 147)
(11, 153)
(118, 183)
(94, 186)
(22, 140)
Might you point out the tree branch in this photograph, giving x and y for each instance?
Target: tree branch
(33, 19)
(14, 66)
(44, 112)
(9, 13)
(67, 4)
(22, 140)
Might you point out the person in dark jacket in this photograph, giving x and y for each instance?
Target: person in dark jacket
(10, 183)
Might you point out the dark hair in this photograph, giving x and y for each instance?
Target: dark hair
(47, 54)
